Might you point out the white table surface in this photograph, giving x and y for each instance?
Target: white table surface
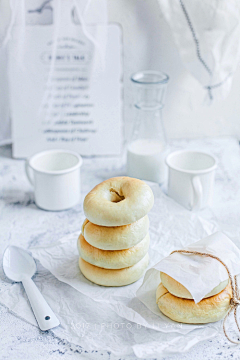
(23, 224)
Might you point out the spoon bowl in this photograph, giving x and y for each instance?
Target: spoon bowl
(18, 264)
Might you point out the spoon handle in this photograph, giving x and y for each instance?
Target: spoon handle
(43, 313)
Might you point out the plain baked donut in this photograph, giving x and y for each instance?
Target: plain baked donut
(112, 259)
(177, 289)
(119, 277)
(117, 237)
(186, 311)
(118, 201)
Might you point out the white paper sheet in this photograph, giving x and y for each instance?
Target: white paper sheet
(78, 68)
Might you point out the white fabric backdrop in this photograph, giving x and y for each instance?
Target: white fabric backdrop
(148, 43)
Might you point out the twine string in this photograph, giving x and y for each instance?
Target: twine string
(235, 300)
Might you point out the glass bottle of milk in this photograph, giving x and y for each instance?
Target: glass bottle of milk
(146, 150)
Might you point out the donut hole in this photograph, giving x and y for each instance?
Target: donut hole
(115, 196)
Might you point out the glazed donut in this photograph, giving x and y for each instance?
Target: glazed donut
(118, 201)
(186, 311)
(114, 277)
(112, 259)
(177, 289)
(117, 237)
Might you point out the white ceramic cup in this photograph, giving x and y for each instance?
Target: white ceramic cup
(55, 176)
(191, 178)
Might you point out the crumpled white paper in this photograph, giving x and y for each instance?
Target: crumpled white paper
(114, 319)
(199, 274)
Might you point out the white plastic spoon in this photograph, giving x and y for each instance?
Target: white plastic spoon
(19, 265)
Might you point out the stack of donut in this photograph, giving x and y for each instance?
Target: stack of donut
(114, 241)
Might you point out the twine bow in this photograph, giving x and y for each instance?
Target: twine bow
(235, 300)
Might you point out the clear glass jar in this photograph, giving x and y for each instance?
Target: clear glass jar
(146, 150)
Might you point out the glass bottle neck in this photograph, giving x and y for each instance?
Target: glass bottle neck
(150, 87)
(149, 97)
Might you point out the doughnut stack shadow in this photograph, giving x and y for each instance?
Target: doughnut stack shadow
(113, 245)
